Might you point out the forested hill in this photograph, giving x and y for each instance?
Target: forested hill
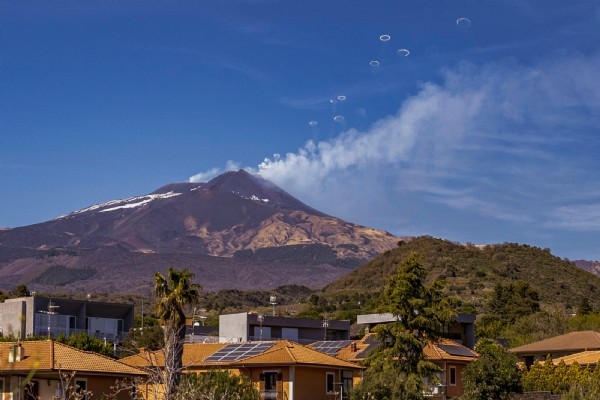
(472, 271)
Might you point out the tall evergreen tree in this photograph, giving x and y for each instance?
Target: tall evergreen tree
(420, 312)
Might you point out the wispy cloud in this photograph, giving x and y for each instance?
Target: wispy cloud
(581, 217)
(491, 139)
(203, 57)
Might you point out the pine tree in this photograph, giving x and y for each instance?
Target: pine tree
(420, 312)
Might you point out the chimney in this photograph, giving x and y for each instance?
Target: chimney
(20, 352)
(16, 353)
(12, 350)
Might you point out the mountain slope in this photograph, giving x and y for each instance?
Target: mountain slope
(473, 271)
(237, 215)
(589, 266)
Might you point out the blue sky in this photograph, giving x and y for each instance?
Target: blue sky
(485, 133)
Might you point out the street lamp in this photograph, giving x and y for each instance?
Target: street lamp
(325, 326)
(201, 316)
(261, 319)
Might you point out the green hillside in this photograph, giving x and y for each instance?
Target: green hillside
(472, 272)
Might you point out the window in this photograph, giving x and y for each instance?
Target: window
(452, 376)
(330, 382)
(269, 380)
(347, 382)
(81, 388)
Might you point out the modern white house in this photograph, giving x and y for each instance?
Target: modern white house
(41, 316)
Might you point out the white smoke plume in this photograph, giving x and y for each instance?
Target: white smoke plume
(503, 141)
(211, 173)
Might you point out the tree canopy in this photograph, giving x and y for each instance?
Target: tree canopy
(420, 313)
(493, 376)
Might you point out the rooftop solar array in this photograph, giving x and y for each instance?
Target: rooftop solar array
(330, 347)
(456, 350)
(239, 351)
(372, 339)
(368, 349)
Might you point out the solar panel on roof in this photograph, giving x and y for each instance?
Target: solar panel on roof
(368, 349)
(235, 352)
(371, 339)
(330, 347)
(456, 350)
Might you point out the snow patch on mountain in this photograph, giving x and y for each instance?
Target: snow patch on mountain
(252, 197)
(113, 205)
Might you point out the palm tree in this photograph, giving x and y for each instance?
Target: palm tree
(174, 292)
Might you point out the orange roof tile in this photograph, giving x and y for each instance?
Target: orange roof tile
(71, 359)
(37, 355)
(193, 354)
(573, 341)
(282, 353)
(290, 353)
(354, 352)
(55, 356)
(583, 358)
(432, 352)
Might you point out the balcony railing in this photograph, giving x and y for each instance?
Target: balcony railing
(109, 336)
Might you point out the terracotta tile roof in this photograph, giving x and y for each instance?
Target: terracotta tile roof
(361, 349)
(584, 358)
(193, 354)
(68, 358)
(290, 353)
(53, 356)
(196, 353)
(435, 352)
(573, 341)
(37, 355)
(282, 353)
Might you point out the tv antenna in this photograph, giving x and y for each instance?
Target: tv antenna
(50, 312)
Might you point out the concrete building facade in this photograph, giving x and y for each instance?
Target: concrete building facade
(249, 327)
(41, 316)
(462, 329)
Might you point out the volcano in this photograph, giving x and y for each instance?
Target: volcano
(237, 230)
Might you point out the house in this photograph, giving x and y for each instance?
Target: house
(584, 358)
(244, 326)
(558, 346)
(450, 356)
(40, 316)
(278, 369)
(462, 329)
(37, 370)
